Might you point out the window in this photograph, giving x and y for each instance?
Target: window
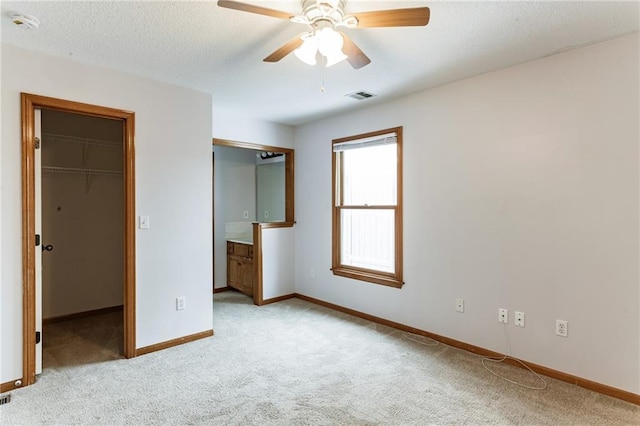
(367, 207)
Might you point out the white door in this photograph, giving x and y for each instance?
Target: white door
(38, 223)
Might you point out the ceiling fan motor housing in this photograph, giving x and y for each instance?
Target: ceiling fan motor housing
(328, 10)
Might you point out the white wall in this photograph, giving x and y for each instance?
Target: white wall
(520, 191)
(173, 187)
(237, 127)
(277, 262)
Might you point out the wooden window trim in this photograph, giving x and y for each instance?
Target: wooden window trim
(362, 274)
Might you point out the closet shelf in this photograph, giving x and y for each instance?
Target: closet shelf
(81, 171)
(52, 137)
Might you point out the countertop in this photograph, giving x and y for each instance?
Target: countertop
(241, 241)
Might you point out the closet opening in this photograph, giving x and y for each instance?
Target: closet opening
(82, 208)
(78, 234)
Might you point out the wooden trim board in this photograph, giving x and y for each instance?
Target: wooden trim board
(84, 314)
(249, 145)
(549, 372)
(174, 342)
(221, 289)
(9, 386)
(257, 265)
(278, 299)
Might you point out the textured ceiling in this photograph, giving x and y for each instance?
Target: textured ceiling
(220, 51)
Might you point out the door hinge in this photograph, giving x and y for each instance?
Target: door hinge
(37, 143)
(37, 240)
(38, 337)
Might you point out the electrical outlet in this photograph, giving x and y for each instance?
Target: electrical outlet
(181, 304)
(519, 319)
(312, 273)
(503, 315)
(460, 305)
(266, 214)
(245, 214)
(562, 328)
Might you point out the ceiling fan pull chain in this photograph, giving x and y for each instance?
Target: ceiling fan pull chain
(324, 67)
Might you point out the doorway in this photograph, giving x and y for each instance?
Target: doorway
(240, 159)
(32, 311)
(81, 238)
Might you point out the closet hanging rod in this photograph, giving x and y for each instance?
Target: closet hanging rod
(72, 170)
(74, 139)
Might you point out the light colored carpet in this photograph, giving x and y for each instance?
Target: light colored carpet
(293, 363)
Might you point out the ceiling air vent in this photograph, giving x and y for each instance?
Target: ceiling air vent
(361, 95)
(26, 22)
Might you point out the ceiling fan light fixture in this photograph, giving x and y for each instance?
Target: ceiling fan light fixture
(330, 45)
(308, 50)
(335, 58)
(326, 41)
(329, 41)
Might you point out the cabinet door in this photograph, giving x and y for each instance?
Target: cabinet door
(246, 276)
(233, 271)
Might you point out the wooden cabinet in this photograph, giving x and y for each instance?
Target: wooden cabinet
(240, 267)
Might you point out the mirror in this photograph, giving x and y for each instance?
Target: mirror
(270, 193)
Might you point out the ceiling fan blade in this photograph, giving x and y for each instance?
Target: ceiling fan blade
(284, 50)
(244, 7)
(355, 56)
(413, 17)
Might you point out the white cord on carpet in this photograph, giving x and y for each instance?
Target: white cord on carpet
(487, 359)
(508, 356)
(408, 336)
(544, 385)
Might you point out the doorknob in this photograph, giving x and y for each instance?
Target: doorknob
(48, 247)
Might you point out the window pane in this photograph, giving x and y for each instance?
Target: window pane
(368, 239)
(370, 176)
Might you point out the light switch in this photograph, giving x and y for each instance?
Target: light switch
(143, 222)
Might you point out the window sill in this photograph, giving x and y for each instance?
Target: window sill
(367, 276)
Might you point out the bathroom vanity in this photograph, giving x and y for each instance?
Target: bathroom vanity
(240, 266)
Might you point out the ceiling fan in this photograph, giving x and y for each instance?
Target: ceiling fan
(323, 17)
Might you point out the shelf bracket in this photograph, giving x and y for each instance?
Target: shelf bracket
(87, 183)
(85, 153)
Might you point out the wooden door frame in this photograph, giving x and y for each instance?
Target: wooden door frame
(29, 103)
